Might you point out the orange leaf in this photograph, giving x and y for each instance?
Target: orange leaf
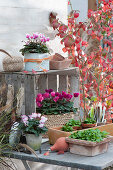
(64, 50)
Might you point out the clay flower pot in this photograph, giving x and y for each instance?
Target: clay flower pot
(77, 127)
(88, 148)
(88, 125)
(58, 62)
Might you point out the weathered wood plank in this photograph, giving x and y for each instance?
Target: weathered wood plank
(42, 84)
(18, 94)
(52, 82)
(92, 4)
(30, 95)
(69, 71)
(63, 83)
(10, 92)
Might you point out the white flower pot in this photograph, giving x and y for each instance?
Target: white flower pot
(34, 141)
(37, 66)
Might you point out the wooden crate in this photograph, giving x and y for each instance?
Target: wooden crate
(30, 84)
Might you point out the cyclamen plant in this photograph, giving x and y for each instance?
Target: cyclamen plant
(33, 124)
(51, 102)
(35, 43)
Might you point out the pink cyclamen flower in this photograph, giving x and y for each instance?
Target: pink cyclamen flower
(34, 115)
(63, 93)
(57, 94)
(53, 94)
(39, 98)
(24, 119)
(61, 96)
(41, 125)
(43, 118)
(47, 38)
(49, 90)
(76, 94)
(35, 35)
(56, 99)
(28, 36)
(31, 37)
(39, 104)
(69, 96)
(30, 117)
(46, 95)
(42, 40)
(38, 115)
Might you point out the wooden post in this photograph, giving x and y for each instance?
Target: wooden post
(16, 79)
(30, 95)
(63, 83)
(92, 4)
(52, 82)
(42, 83)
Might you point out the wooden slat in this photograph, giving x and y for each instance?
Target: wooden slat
(63, 83)
(18, 94)
(92, 4)
(52, 82)
(70, 71)
(42, 84)
(30, 95)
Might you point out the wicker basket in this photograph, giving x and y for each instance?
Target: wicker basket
(11, 63)
(57, 120)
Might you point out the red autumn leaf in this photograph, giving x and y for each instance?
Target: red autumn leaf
(68, 2)
(64, 50)
(62, 28)
(84, 43)
(62, 35)
(111, 84)
(111, 25)
(68, 41)
(76, 15)
(78, 47)
(55, 24)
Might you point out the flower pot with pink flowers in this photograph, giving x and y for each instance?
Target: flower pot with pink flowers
(36, 52)
(33, 126)
(57, 107)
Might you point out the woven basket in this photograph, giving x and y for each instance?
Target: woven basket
(57, 120)
(11, 63)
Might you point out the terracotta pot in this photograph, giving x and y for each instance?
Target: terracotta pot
(57, 57)
(88, 148)
(55, 133)
(88, 125)
(106, 127)
(77, 127)
(60, 65)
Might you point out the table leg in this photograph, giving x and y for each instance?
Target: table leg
(27, 167)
